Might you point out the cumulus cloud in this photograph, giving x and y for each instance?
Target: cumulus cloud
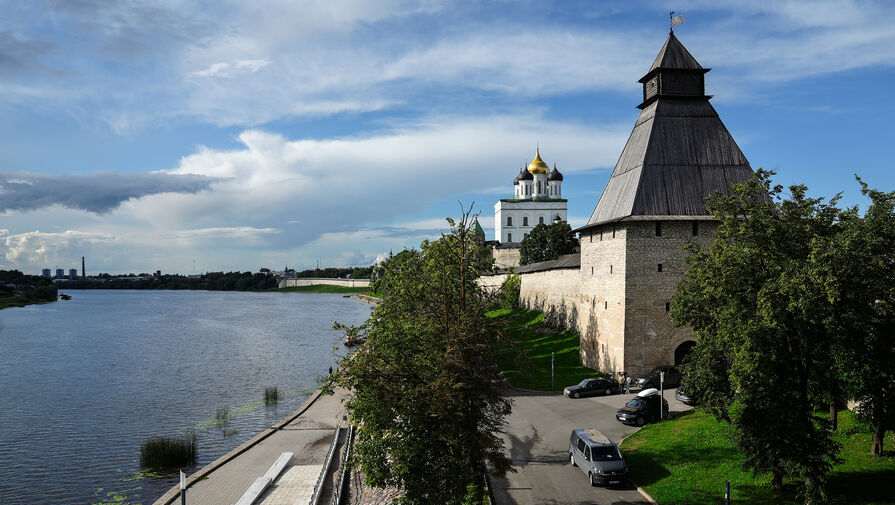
(97, 192)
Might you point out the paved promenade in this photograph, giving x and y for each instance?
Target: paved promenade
(537, 439)
(308, 436)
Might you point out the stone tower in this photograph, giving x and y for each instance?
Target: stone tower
(631, 259)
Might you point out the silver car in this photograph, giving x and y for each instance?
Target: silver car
(597, 457)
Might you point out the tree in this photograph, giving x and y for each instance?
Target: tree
(421, 388)
(546, 243)
(756, 301)
(859, 265)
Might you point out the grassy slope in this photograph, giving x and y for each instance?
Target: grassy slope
(325, 288)
(687, 460)
(525, 331)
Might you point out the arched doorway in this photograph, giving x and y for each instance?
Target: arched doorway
(682, 351)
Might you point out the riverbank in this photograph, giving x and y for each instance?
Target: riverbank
(323, 288)
(20, 301)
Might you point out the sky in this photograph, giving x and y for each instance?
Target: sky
(193, 136)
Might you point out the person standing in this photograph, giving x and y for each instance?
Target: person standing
(627, 384)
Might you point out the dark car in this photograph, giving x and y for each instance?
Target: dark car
(651, 380)
(591, 387)
(642, 409)
(682, 396)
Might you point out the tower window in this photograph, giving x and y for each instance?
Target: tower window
(610, 268)
(591, 270)
(658, 228)
(509, 237)
(601, 234)
(667, 307)
(695, 228)
(613, 231)
(525, 221)
(660, 267)
(509, 220)
(605, 305)
(590, 237)
(541, 220)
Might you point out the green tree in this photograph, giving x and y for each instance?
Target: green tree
(421, 388)
(859, 265)
(546, 243)
(757, 304)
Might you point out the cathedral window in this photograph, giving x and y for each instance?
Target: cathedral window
(509, 237)
(541, 220)
(509, 220)
(525, 221)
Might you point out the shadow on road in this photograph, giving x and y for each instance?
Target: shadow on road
(521, 448)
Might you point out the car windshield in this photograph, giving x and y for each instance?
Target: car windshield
(584, 382)
(636, 403)
(606, 453)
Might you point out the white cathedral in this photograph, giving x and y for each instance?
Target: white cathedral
(537, 200)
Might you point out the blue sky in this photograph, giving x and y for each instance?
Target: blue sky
(237, 135)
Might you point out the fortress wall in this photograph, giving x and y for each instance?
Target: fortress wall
(506, 257)
(313, 281)
(554, 292)
(601, 298)
(651, 337)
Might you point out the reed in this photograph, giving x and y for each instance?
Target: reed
(168, 452)
(222, 417)
(271, 395)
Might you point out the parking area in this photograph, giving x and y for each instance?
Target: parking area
(537, 440)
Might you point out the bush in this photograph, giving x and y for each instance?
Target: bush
(510, 290)
(47, 293)
(271, 395)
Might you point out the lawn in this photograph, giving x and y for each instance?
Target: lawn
(18, 301)
(686, 461)
(525, 347)
(326, 288)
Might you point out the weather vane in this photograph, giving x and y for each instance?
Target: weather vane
(675, 20)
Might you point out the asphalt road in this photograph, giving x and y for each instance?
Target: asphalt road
(537, 439)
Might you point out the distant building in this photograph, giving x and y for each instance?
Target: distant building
(46, 273)
(60, 273)
(72, 273)
(537, 199)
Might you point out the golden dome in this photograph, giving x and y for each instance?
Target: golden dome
(537, 165)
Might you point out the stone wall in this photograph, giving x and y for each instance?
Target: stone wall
(602, 294)
(650, 335)
(506, 256)
(313, 281)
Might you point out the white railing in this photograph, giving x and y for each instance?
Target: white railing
(318, 487)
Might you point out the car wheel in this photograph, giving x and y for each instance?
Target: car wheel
(640, 421)
(571, 459)
(576, 395)
(608, 391)
(592, 481)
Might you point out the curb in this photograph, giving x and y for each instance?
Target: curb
(640, 490)
(174, 492)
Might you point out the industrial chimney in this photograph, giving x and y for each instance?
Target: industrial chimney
(83, 270)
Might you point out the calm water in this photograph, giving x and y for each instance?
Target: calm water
(83, 382)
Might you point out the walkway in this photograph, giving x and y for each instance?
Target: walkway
(308, 436)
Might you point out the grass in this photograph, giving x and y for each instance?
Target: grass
(19, 301)
(525, 348)
(168, 452)
(326, 288)
(686, 461)
(222, 416)
(271, 395)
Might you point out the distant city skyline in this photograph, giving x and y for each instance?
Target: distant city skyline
(178, 138)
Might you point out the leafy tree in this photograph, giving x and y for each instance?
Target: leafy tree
(510, 290)
(44, 293)
(859, 265)
(546, 243)
(757, 304)
(421, 388)
(390, 272)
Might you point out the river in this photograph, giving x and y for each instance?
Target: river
(83, 382)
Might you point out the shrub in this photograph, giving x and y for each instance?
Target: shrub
(510, 290)
(271, 395)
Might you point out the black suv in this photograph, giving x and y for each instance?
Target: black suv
(590, 387)
(651, 380)
(642, 409)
